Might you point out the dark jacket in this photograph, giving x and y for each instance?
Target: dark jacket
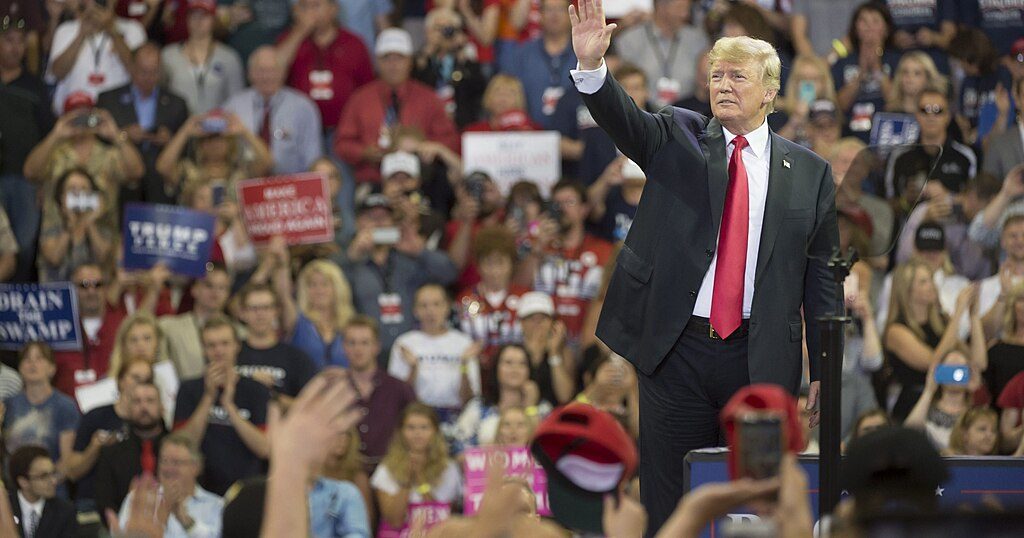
(116, 466)
(58, 520)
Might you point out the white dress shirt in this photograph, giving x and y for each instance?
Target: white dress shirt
(756, 160)
(26, 513)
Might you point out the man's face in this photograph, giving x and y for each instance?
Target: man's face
(574, 211)
(12, 48)
(260, 313)
(737, 93)
(200, 23)
(1012, 241)
(177, 467)
(220, 346)
(42, 478)
(554, 17)
(146, 71)
(678, 11)
(394, 68)
(932, 114)
(361, 348)
(89, 286)
(144, 407)
(431, 307)
(265, 73)
(322, 11)
(211, 293)
(35, 368)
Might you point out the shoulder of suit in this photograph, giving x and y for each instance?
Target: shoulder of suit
(113, 93)
(796, 151)
(687, 119)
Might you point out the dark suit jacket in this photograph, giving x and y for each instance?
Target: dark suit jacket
(671, 243)
(58, 520)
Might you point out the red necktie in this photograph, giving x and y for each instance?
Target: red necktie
(727, 299)
(265, 126)
(148, 459)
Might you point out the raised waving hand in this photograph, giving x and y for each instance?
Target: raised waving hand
(591, 36)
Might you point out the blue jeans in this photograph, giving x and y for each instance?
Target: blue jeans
(18, 197)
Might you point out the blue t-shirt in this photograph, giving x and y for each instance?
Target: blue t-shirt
(27, 424)
(869, 99)
(912, 15)
(307, 338)
(618, 216)
(551, 98)
(337, 508)
(978, 92)
(1001, 20)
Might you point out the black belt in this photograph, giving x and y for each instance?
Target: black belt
(702, 326)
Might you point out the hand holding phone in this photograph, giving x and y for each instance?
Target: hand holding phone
(954, 375)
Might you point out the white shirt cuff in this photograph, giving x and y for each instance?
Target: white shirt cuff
(588, 82)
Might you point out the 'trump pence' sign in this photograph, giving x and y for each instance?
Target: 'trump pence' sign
(47, 312)
(296, 206)
(516, 460)
(513, 156)
(179, 237)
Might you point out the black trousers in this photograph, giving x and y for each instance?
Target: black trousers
(679, 408)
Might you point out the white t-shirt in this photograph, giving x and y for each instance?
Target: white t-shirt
(446, 489)
(97, 68)
(438, 377)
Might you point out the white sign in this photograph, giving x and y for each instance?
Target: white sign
(614, 9)
(510, 157)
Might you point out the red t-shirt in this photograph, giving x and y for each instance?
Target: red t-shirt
(493, 324)
(1013, 394)
(330, 76)
(75, 368)
(484, 53)
(573, 277)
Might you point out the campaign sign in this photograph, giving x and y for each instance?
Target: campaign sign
(894, 129)
(296, 206)
(516, 460)
(431, 512)
(46, 312)
(510, 157)
(178, 237)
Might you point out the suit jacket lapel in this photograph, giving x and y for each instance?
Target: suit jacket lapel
(713, 146)
(127, 101)
(163, 105)
(779, 186)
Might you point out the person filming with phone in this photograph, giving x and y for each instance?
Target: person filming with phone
(81, 235)
(948, 394)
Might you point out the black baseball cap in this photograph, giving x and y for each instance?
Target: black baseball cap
(895, 463)
(930, 237)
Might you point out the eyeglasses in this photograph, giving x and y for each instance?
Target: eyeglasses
(931, 110)
(9, 22)
(52, 475)
(90, 284)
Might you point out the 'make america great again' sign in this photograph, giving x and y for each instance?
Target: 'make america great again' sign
(297, 207)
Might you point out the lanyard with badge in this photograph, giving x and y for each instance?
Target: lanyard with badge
(321, 79)
(96, 77)
(389, 301)
(554, 92)
(668, 89)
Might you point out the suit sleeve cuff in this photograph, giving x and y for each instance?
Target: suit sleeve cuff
(588, 82)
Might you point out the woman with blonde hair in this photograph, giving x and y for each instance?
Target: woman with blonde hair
(324, 307)
(345, 463)
(915, 73)
(140, 337)
(976, 433)
(416, 468)
(1006, 354)
(504, 104)
(917, 333)
(515, 427)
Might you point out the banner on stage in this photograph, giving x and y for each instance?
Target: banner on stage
(296, 206)
(39, 312)
(516, 460)
(510, 157)
(178, 237)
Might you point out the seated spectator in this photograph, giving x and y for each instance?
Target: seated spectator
(915, 73)
(810, 80)
(515, 427)
(315, 35)
(1006, 148)
(101, 427)
(280, 367)
(972, 52)
(286, 120)
(1006, 354)
(446, 64)
(552, 363)
(380, 397)
(345, 464)
(225, 152)
(940, 406)
(181, 332)
(565, 261)
(416, 468)
(863, 77)
(439, 362)
(200, 69)
(996, 289)
(615, 196)
(40, 415)
(193, 511)
(478, 423)
(35, 505)
(223, 412)
(1011, 401)
(388, 295)
(139, 338)
(135, 452)
(610, 385)
(84, 234)
(324, 307)
(976, 433)
(478, 203)
(92, 52)
(503, 107)
(917, 333)
(367, 124)
(868, 422)
(599, 152)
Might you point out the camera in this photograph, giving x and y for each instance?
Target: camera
(214, 124)
(449, 31)
(86, 121)
(553, 211)
(82, 202)
(475, 185)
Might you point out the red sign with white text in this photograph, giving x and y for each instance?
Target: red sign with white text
(297, 206)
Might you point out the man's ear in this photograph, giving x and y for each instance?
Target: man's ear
(769, 96)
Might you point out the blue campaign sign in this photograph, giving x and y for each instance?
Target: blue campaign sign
(39, 312)
(972, 479)
(180, 238)
(893, 129)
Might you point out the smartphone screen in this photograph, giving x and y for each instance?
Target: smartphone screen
(950, 374)
(759, 445)
(806, 91)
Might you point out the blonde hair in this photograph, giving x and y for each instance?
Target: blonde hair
(899, 303)
(743, 49)
(957, 438)
(846, 143)
(936, 81)
(504, 81)
(1010, 321)
(828, 90)
(139, 318)
(531, 422)
(343, 309)
(397, 458)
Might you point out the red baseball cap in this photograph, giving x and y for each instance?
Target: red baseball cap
(762, 397)
(1017, 49)
(586, 453)
(208, 6)
(78, 99)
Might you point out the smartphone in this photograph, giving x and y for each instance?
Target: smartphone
(806, 92)
(954, 375)
(218, 194)
(759, 445)
(386, 236)
(214, 124)
(86, 121)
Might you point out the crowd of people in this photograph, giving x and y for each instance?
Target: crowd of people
(460, 309)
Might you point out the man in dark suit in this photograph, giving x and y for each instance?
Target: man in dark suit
(38, 512)
(148, 115)
(708, 289)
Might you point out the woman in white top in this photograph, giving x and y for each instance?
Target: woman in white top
(940, 406)
(416, 468)
(202, 71)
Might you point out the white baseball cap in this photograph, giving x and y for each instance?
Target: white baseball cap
(631, 170)
(535, 302)
(399, 162)
(394, 40)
